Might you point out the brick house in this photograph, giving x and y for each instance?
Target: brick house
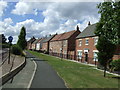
(46, 43)
(86, 43)
(64, 44)
(38, 44)
(34, 44)
(29, 43)
(117, 53)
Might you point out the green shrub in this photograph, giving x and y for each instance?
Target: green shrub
(16, 50)
(5, 45)
(115, 64)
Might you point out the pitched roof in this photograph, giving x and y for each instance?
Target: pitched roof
(42, 40)
(88, 31)
(48, 38)
(39, 40)
(63, 36)
(31, 40)
(35, 41)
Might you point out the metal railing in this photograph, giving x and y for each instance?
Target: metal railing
(88, 60)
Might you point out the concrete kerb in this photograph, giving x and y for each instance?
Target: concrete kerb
(32, 75)
(83, 64)
(63, 80)
(13, 72)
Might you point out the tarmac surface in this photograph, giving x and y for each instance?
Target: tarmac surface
(45, 76)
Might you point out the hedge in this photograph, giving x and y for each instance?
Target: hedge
(16, 50)
(115, 65)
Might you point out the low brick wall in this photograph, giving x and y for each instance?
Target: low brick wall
(11, 74)
(116, 57)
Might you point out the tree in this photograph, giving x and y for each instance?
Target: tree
(109, 24)
(106, 50)
(3, 38)
(116, 20)
(21, 38)
(108, 31)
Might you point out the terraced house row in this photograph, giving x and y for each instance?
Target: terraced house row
(75, 45)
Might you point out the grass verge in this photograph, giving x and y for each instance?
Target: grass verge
(78, 75)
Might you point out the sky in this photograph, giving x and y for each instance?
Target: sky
(45, 18)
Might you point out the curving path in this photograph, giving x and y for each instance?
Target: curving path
(45, 76)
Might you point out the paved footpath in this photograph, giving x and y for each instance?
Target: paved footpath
(23, 78)
(45, 76)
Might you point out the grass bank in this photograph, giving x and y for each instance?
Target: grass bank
(78, 75)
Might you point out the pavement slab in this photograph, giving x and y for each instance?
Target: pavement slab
(22, 79)
(45, 76)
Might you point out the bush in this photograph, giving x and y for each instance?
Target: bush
(5, 45)
(16, 50)
(115, 65)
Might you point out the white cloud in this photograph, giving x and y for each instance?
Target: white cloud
(59, 17)
(23, 8)
(3, 5)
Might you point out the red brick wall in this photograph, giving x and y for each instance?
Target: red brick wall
(91, 47)
(45, 46)
(33, 46)
(71, 44)
(116, 57)
(56, 45)
(71, 41)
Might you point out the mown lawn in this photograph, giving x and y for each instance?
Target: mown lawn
(78, 75)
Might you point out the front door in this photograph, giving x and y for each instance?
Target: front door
(86, 56)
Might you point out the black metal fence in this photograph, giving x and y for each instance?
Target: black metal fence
(78, 58)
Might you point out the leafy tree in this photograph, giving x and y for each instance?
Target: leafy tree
(109, 24)
(116, 20)
(3, 38)
(21, 38)
(106, 50)
(108, 30)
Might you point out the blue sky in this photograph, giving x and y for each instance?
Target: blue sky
(44, 18)
(18, 18)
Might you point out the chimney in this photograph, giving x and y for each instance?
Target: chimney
(89, 23)
(77, 27)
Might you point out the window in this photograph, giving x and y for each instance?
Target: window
(80, 42)
(95, 56)
(65, 52)
(80, 54)
(86, 41)
(65, 43)
(95, 41)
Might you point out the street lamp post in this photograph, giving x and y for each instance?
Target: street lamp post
(10, 38)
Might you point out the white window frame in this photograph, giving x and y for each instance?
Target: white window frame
(95, 40)
(80, 55)
(65, 43)
(95, 51)
(80, 42)
(85, 41)
(65, 52)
